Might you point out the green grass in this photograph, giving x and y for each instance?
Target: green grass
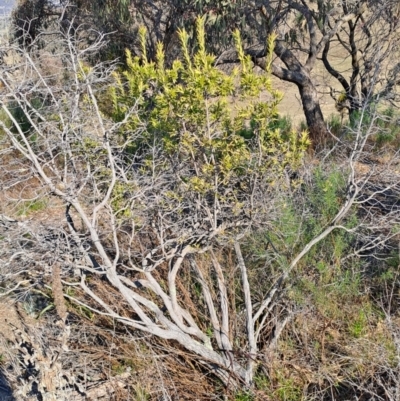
(33, 206)
(244, 396)
(359, 325)
(287, 390)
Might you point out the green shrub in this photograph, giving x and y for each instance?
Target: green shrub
(282, 123)
(185, 109)
(388, 123)
(335, 124)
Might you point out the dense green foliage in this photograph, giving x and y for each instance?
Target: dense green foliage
(210, 128)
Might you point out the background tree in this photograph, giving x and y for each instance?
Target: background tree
(371, 42)
(122, 19)
(306, 32)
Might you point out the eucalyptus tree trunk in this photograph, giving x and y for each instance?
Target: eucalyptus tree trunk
(298, 54)
(299, 75)
(312, 110)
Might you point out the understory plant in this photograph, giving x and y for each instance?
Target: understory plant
(157, 168)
